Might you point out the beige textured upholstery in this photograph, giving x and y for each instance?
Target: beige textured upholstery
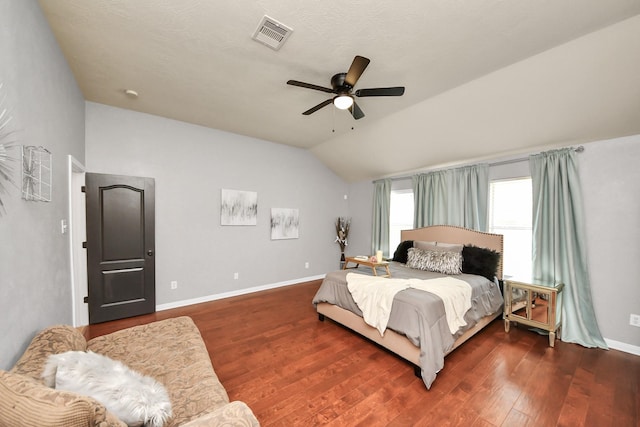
(25, 402)
(171, 351)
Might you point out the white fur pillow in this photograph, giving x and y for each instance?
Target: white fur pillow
(134, 398)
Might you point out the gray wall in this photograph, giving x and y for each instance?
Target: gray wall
(610, 181)
(361, 214)
(48, 110)
(191, 164)
(611, 190)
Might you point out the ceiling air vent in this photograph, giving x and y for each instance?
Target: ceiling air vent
(271, 33)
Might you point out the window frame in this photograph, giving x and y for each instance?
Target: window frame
(510, 267)
(403, 226)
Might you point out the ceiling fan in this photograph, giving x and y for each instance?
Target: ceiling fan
(342, 85)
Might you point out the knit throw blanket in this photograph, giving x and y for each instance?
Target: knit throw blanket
(374, 296)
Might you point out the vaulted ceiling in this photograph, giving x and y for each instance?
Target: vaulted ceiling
(482, 77)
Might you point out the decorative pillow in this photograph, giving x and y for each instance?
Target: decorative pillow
(449, 247)
(424, 245)
(52, 340)
(438, 261)
(438, 246)
(480, 261)
(400, 255)
(25, 402)
(132, 397)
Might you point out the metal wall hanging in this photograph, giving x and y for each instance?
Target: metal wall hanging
(36, 174)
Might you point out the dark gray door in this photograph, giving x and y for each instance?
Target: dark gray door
(120, 246)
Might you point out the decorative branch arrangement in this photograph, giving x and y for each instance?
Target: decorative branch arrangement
(342, 233)
(6, 169)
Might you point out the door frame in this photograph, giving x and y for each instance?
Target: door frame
(77, 234)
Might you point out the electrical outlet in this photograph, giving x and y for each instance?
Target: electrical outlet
(235, 276)
(306, 264)
(174, 284)
(634, 320)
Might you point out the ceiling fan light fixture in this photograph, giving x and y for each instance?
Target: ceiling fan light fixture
(343, 102)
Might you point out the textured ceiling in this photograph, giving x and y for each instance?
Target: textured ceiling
(195, 61)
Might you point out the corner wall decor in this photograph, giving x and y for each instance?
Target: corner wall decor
(6, 169)
(36, 174)
(342, 234)
(238, 207)
(284, 223)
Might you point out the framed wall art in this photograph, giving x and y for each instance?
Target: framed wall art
(238, 207)
(284, 223)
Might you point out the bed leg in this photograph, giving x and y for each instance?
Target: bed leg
(321, 317)
(417, 371)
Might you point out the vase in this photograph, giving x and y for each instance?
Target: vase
(341, 260)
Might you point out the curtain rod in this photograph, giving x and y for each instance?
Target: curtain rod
(578, 149)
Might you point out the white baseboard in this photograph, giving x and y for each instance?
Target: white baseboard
(239, 292)
(627, 348)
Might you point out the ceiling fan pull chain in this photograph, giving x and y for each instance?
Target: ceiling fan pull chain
(333, 119)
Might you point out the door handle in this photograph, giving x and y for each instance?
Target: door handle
(150, 252)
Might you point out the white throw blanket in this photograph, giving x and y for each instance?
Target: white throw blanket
(374, 296)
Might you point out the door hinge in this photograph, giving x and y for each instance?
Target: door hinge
(85, 300)
(83, 189)
(84, 245)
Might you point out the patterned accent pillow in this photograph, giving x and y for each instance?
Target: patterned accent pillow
(26, 402)
(52, 340)
(438, 261)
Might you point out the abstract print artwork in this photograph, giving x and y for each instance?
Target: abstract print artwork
(284, 223)
(238, 207)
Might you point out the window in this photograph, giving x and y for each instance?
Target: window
(400, 216)
(510, 211)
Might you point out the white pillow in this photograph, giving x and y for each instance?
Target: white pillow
(134, 398)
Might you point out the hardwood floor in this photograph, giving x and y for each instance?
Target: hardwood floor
(270, 350)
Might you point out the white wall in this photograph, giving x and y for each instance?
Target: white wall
(610, 179)
(191, 164)
(48, 110)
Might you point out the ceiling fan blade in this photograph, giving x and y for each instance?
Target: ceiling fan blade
(317, 107)
(380, 91)
(309, 86)
(355, 71)
(356, 112)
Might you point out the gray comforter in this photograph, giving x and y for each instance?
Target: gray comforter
(419, 315)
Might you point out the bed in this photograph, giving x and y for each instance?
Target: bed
(417, 328)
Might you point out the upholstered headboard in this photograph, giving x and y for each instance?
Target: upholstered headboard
(460, 235)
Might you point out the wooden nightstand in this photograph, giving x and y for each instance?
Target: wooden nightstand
(535, 303)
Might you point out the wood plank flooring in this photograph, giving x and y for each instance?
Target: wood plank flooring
(270, 350)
